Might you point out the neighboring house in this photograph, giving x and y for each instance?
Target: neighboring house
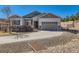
(76, 23)
(16, 20)
(69, 24)
(37, 20)
(4, 25)
(16, 23)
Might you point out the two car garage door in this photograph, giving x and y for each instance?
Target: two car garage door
(49, 25)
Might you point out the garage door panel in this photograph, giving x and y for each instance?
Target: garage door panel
(49, 26)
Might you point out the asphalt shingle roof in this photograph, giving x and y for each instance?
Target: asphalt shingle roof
(33, 14)
(14, 16)
(49, 15)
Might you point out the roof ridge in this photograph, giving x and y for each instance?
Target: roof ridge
(40, 15)
(50, 15)
(14, 16)
(32, 14)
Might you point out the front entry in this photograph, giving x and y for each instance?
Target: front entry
(36, 24)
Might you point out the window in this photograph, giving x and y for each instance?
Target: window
(43, 22)
(49, 22)
(55, 22)
(16, 22)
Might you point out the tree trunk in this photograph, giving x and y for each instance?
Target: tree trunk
(73, 24)
(9, 27)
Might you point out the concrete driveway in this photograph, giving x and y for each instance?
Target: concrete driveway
(29, 36)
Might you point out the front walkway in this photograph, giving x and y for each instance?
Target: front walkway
(29, 36)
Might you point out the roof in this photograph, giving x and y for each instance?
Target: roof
(14, 16)
(1, 19)
(42, 14)
(32, 14)
(49, 15)
(4, 23)
(36, 14)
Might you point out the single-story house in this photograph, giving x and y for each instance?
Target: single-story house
(70, 25)
(36, 20)
(76, 23)
(4, 24)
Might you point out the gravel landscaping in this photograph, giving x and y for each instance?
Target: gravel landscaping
(69, 46)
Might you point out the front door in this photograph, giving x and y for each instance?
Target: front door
(36, 24)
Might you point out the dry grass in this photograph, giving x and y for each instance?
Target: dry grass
(75, 28)
(2, 33)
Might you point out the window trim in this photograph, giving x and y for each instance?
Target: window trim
(15, 22)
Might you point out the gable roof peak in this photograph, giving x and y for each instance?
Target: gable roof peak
(32, 14)
(14, 16)
(35, 12)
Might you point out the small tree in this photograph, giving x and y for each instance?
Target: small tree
(72, 18)
(6, 10)
(77, 16)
